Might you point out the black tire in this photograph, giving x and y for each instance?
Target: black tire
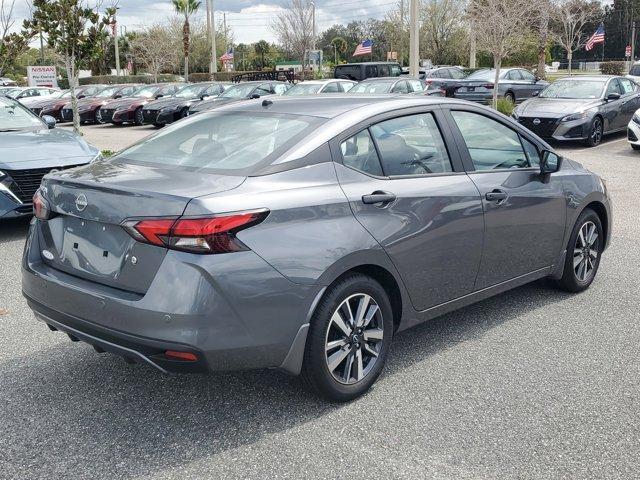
(138, 117)
(158, 125)
(316, 372)
(596, 132)
(635, 147)
(184, 113)
(511, 97)
(573, 279)
(96, 117)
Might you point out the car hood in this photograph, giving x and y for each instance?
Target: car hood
(170, 102)
(546, 107)
(125, 102)
(215, 102)
(43, 148)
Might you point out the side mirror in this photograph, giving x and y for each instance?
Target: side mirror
(255, 95)
(117, 96)
(205, 96)
(550, 162)
(613, 96)
(49, 120)
(535, 94)
(537, 78)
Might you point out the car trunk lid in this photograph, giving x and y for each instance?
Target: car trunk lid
(86, 238)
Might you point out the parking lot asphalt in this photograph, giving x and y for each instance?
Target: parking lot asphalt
(532, 384)
(112, 137)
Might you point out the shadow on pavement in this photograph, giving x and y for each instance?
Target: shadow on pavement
(92, 415)
(14, 229)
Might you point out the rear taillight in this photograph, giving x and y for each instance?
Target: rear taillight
(41, 209)
(216, 234)
(488, 86)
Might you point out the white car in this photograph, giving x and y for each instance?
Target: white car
(28, 92)
(312, 87)
(633, 131)
(634, 72)
(30, 101)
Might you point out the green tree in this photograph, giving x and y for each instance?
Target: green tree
(67, 26)
(262, 48)
(186, 8)
(340, 46)
(11, 44)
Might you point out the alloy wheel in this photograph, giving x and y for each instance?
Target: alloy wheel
(586, 251)
(354, 338)
(596, 131)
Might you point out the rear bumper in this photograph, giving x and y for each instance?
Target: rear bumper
(131, 348)
(234, 311)
(482, 97)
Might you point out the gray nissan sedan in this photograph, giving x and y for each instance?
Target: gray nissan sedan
(303, 233)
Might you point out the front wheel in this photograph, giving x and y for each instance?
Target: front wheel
(510, 97)
(595, 133)
(349, 339)
(139, 117)
(583, 253)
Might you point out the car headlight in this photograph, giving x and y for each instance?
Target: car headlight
(635, 118)
(576, 116)
(2, 174)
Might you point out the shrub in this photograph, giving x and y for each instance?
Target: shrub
(505, 106)
(612, 68)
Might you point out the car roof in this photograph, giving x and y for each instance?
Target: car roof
(324, 81)
(384, 79)
(331, 105)
(589, 77)
(367, 63)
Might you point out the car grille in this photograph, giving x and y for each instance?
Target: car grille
(106, 115)
(150, 116)
(545, 128)
(66, 114)
(26, 182)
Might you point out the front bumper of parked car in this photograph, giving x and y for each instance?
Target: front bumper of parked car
(633, 131)
(551, 128)
(212, 306)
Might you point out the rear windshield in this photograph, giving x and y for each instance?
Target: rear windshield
(578, 89)
(488, 75)
(304, 89)
(233, 143)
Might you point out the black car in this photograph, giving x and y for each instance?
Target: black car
(514, 84)
(360, 71)
(169, 109)
(241, 91)
(581, 108)
(387, 85)
(446, 79)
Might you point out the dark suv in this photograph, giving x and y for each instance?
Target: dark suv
(360, 71)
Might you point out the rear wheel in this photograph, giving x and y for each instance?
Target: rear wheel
(583, 253)
(510, 96)
(595, 133)
(348, 339)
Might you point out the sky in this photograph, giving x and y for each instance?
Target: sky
(249, 20)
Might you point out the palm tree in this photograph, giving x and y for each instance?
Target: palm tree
(261, 48)
(186, 8)
(340, 45)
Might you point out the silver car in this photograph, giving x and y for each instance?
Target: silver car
(257, 235)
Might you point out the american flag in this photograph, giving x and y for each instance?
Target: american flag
(227, 57)
(597, 37)
(364, 48)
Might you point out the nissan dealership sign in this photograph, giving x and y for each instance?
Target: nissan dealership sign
(42, 76)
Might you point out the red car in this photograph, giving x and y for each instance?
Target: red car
(129, 109)
(53, 106)
(88, 106)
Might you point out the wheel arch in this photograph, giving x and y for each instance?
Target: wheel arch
(603, 215)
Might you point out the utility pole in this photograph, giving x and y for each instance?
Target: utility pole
(115, 41)
(313, 20)
(211, 22)
(224, 23)
(472, 49)
(41, 49)
(633, 42)
(401, 42)
(414, 41)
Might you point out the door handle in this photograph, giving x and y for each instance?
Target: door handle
(496, 196)
(378, 197)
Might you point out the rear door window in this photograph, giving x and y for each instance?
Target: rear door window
(528, 76)
(613, 87)
(491, 144)
(455, 73)
(400, 87)
(359, 153)
(415, 85)
(411, 145)
(331, 88)
(626, 85)
(371, 71)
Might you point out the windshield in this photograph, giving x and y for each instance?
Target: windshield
(304, 89)
(107, 92)
(14, 116)
(484, 75)
(238, 91)
(13, 93)
(192, 91)
(372, 87)
(146, 92)
(578, 89)
(221, 142)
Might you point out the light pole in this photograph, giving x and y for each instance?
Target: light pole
(313, 20)
(115, 41)
(414, 47)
